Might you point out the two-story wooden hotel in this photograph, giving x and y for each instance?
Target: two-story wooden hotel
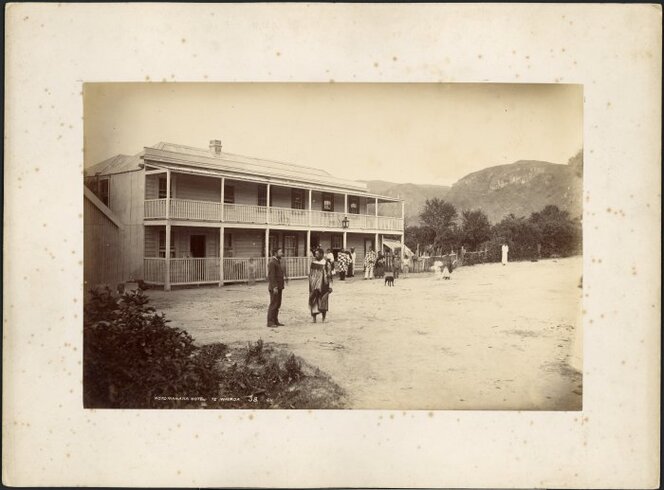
(204, 216)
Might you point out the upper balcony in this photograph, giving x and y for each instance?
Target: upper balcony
(210, 199)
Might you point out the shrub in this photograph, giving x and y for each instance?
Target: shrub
(293, 368)
(255, 351)
(132, 356)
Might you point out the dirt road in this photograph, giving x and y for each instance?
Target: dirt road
(493, 337)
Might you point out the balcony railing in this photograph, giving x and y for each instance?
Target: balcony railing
(197, 210)
(189, 271)
(188, 209)
(195, 270)
(244, 213)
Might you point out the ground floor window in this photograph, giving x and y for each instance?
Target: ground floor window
(337, 241)
(290, 245)
(162, 244)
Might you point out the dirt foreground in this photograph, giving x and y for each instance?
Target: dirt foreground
(493, 337)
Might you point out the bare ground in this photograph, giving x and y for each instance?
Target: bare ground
(493, 337)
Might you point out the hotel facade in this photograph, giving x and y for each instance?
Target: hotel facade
(203, 216)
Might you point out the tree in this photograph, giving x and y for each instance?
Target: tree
(475, 228)
(448, 239)
(559, 234)
(576, 162)
(419, 235)
(438, 214)
(521, 235)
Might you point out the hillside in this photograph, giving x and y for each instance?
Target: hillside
(519, 188)
(415, 195)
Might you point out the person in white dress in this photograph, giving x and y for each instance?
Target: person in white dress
(437, 269)
(504, 249)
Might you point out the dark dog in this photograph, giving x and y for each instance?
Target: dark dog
(389, 281)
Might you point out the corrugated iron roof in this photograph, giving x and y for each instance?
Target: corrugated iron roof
(230, 162)
(201, 158)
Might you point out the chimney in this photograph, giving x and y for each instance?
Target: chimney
(215, 147)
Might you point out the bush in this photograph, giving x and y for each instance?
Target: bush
(133, 359)
(131, 355)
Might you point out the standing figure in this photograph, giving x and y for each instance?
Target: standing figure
(320, 281)
(275, 281)
(369, 263)
(397, 265)
(353, 260)
(405, 265)
(437, 269)
(251, 272)
(379, 267)
(343, 262)
(329, 256)
(448, 267)
(505, 250)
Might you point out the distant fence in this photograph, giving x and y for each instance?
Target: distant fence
(424, 264)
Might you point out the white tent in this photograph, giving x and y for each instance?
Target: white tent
(394, 244)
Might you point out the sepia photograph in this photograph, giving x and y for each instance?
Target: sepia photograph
(333, 246)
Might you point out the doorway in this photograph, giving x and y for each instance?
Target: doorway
(368, 243)
(197, 246)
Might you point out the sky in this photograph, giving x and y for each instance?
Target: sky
(417, 133)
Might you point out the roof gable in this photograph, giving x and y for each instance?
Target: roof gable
(116, 164)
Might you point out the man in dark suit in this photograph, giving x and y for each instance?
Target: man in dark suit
(275, 284)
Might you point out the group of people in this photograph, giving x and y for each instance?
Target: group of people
(323, 267)
(344, 263)
(321, 273)
(377, 264)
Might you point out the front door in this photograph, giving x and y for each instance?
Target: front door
(197, 246)
(368, 244)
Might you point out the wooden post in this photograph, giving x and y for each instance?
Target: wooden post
(223, 189)
(376, 210)
(167, 278)
(306, 252)
(345, 203)
(376, 245)
(309, 207)
(167, 268)
(168, 195)
(267, 247)
(267, 204)
(221, 255)
(345, 239)
(403, 248)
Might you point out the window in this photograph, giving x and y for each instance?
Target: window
(228, 245)
(262, 195)
(273, 244)
(229, 194)
(337, 241)
(328, 201)
(104, 190)
(162, 244)
(162, 187)
(353, 205)
(297, 198)
(290, 245)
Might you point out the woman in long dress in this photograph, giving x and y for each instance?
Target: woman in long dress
(504, 251)
(320, 281)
